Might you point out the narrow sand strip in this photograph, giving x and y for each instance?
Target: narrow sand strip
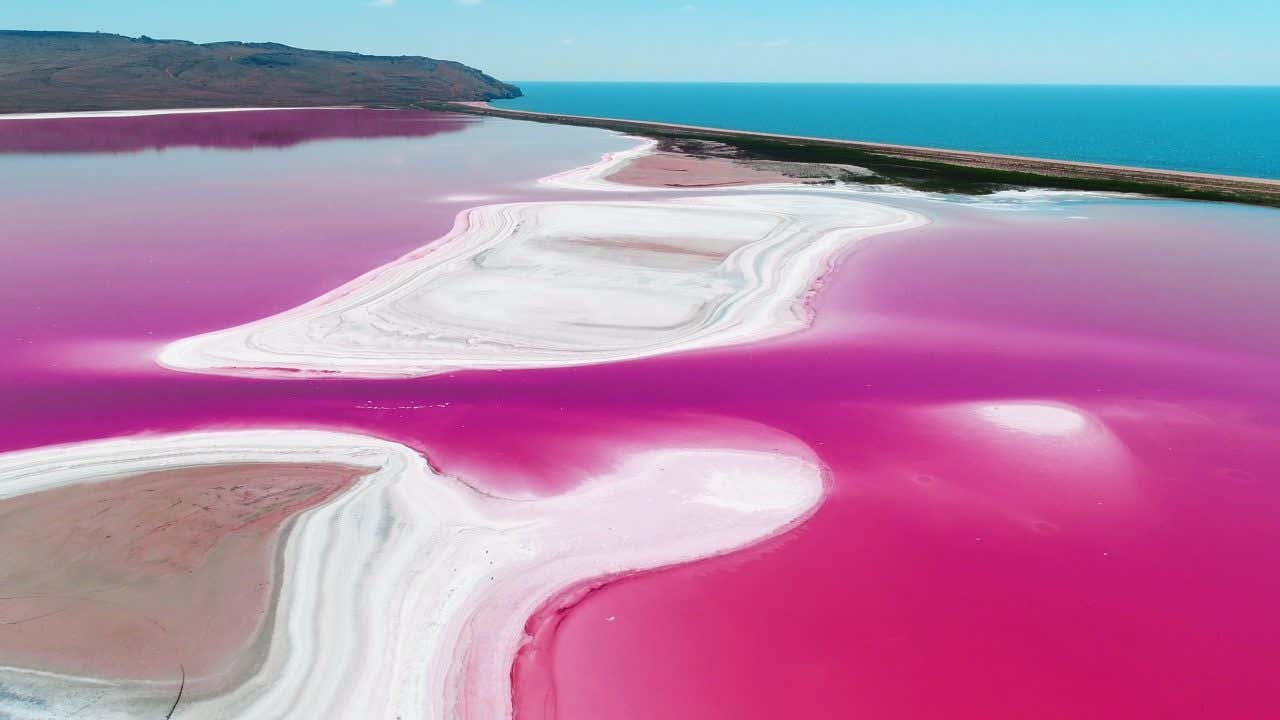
(649, 167)
(1232, 187)
(685, 172)
(593, 176)
(406, 595)
(536, 285)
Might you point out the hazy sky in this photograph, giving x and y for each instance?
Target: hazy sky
(1050, 41)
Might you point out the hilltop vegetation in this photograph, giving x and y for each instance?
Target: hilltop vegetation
(64, 71)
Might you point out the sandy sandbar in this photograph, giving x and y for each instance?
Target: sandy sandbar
(402, 593)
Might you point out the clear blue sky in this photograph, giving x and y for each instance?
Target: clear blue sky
(1017, 41)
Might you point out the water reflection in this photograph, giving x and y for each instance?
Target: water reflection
(95, 133)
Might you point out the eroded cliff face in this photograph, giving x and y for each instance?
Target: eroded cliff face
(64, 71)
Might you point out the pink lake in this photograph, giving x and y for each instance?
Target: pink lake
(1052, 426)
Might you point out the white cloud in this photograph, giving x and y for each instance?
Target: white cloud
(381, 3)
(688, 8)
(567, 41)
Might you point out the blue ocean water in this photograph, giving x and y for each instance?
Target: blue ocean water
(1227, 130)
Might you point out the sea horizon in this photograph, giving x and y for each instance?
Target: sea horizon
(1216, 129)
(1275, 86)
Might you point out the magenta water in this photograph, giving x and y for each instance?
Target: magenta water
(1050, 425)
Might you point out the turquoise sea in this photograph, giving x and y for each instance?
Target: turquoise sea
(1227, 130)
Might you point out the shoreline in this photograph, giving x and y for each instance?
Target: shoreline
(774, 258)
(936, 168)
(478, 565)
(915, 167)
(746, 280)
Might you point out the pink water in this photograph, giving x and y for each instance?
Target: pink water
(1110, 549)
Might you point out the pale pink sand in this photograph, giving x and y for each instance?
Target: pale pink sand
(134, 577)
(674, 170)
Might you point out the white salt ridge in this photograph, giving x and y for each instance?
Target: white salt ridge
(593, 176)
(552, 284)
(406, 596)
(1013, 200)
(1035, 418)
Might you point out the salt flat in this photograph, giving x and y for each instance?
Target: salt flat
(407, 593)
(551, 284)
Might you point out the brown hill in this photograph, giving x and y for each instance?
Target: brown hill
(63, 71)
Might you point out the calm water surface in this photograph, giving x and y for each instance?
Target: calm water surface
(1053, 427)
(1225, 130)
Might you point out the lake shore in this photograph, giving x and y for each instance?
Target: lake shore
(927, 168)
(1054, 409)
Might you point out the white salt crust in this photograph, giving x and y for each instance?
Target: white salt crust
(554, 284)
(406, 596)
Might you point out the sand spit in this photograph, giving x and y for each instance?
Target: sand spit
(406, 594)
(698, 165)
(536, 285)
(648, 167)
(595, 176)
(673, 170)
(1040, 172)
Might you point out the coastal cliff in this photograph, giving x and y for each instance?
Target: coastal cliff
(67, 71)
